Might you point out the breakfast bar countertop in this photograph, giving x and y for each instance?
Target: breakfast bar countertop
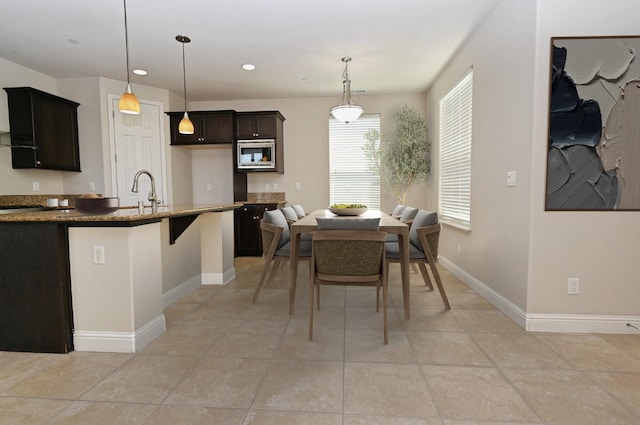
(123, 214)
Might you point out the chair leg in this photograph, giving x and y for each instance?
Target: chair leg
(265, 269)
(413, 266)
(425, 276)
(274, 270)
(385, 287)
(311, 289)
(377, 299)
(436, 276)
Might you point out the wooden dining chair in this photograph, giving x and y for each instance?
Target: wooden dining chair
(424, 236)
(348, 257)
(276, 247)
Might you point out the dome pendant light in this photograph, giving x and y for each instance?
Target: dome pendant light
(128, 103)
(346, 111)
(185, 126)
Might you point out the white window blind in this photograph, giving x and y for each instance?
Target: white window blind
(351, 179)
(455, 153)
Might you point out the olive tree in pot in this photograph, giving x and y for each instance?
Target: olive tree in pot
(404, 157)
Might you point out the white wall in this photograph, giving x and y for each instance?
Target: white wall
(306, 144)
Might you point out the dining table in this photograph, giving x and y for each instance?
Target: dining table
(388, 224)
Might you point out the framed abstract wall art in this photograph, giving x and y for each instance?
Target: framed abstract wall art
(593, 157)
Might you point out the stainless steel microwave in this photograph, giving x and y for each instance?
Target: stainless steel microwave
(256, 154)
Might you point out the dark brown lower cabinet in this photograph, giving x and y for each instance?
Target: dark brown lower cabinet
(248, 240)
(35, 288)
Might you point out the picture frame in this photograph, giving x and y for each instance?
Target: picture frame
(593, 156)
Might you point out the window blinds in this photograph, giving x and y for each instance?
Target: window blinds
(455, 153)
(351, 178)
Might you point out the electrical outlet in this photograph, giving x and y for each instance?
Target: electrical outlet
(209, 187)
(35, 186)
(511, 178)
(459, 249)
(274, 186)
(297, 186)
(573, 286)
(92, 186)
(267, 186)
(98, 255)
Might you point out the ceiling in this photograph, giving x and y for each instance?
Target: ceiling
(397, 46)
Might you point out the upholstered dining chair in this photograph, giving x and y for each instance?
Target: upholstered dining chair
(299, 210)
(348, 257)
(397, 211)
(424, 236)
(276, 245)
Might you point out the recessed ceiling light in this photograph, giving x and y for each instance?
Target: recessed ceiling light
(248, 67)
(139, 72)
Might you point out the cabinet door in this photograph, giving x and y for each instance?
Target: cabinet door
(248, 238)
(245, 128)
(44, 130)
(217, 128)
(248, 241)
(56, 133)
(266, 126)
(256, 126)
(184, 139)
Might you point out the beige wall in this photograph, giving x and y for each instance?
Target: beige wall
(306, 142)
(14, 182)
(496, 250)
(598, 247)
(519, 253)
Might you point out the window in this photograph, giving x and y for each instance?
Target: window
(455, 153)
(351, 179)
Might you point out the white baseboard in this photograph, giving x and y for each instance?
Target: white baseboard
(569, 323)
(181, 290)
(119, 342)
(219, 278)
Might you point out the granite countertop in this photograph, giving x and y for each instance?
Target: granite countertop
(266, 198)
(124, 214)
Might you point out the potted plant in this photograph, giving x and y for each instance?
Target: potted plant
(404, 157)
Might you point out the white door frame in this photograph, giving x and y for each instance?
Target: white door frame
(164, 197)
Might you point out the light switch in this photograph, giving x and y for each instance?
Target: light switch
(98, 254)
(511, 178)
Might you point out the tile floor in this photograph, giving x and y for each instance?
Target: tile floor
(225, 361)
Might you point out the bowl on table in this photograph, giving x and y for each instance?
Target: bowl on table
(347, 209)
(96, 205)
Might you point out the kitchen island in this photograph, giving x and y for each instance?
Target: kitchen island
(100, 282)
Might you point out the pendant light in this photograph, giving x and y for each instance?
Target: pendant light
(128, 103)
(346, 111)
(185, 126)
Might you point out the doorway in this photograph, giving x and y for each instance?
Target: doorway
(137, 144)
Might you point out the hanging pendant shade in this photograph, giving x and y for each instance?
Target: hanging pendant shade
(128, 103)
(185, 126)
(346, 111)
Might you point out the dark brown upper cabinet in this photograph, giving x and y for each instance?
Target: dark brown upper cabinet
(211, 128)
(259, 125)
(44, 130)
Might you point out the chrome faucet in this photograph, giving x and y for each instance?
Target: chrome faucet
(153, 197)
